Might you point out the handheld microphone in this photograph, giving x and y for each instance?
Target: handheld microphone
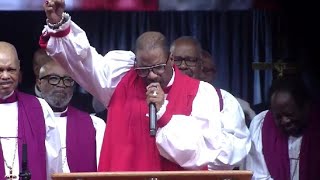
(24, 174)
(152, 119)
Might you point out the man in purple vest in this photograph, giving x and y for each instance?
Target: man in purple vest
(40, 57)
(80, 134)
(23, 121)
(285, 138)
(187, 55)
(208, 74)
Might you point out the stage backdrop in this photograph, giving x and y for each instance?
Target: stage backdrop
(144, 5)
(235, 38)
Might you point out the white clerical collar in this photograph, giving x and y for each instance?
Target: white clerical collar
(172, 78)
(5, 97)
(60, 114)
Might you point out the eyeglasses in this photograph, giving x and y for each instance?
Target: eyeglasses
(157, 69)
(55, 80)
(189, 61)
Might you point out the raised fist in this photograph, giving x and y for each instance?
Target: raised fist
(54, 10)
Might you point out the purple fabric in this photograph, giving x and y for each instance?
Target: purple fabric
(10, 99)
(31, 130)
(2, 172)
(275, 149)
(310, 148)
(81, 141)
(220, 98)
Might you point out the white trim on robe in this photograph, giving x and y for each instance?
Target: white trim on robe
(203, 140)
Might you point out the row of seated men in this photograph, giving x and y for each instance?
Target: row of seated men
(199, 126)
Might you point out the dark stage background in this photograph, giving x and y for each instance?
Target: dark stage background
(235, 38)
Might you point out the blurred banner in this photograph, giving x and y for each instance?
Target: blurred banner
(132, 5)
(205, 4)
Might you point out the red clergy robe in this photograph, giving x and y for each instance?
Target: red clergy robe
(127, 144)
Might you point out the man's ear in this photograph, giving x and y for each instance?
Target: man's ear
(38, 83)
(171, 61)
(200, 64)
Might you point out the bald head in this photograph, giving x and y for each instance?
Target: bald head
(208, 67)
(186, 40)
(40, 58)
(51, 67)
(9, 69)
(7, 50)
(152, 49)
(186, 52)
(207, 60)
(151, 40)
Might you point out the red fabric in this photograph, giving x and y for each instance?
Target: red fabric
(127, 144)
(121, 5)
(44, 38)
(266, 4)
(275, 148)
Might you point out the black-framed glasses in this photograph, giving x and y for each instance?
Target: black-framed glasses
(157, 69)
(189, 61)
(55, 80)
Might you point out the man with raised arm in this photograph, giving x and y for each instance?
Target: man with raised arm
(189, 134)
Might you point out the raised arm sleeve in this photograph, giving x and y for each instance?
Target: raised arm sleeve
(98, 74)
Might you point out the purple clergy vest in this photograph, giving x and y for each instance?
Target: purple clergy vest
(81, 141)
(32, 131)
(275, 148)
(220, 98)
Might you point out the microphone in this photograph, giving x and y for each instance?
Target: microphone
(25, 173)
(152, 119)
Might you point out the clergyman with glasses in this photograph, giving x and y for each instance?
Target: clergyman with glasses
(189, 133)
(186, 52)
(81, 134)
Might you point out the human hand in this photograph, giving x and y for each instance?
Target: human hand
(54, 10)
(155, 95)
